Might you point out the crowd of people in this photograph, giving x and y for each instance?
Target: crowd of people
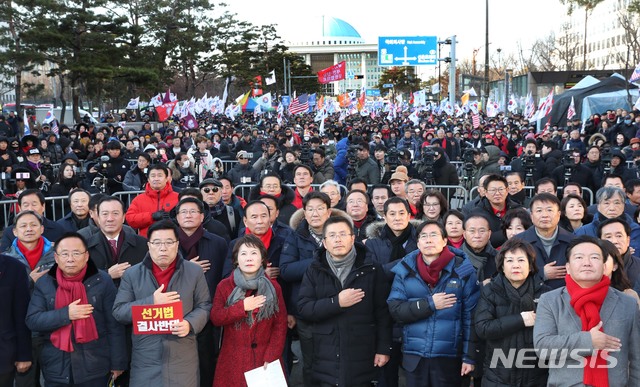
(346, 241)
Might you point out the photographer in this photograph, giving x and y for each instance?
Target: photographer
(366, 167)
(322, 167)
(113, 168)
(529, 164)
(39, 171)
(183, 173)
(572, 170)
(201, 158)
(136, 177)
(270, 160)
(489, 162)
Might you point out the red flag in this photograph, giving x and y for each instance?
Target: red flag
(475, 119)
(166, 110)
(333, 73)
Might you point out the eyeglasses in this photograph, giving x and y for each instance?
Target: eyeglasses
(494, 191)
(74, 254)
(432, 235)
(357, 201)
(431, 205)
(210, 189)
(318, 210)
(188, 212)
(271, 186)
(157, 243)
(334, 236)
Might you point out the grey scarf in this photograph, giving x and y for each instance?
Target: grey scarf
(547, 243)
(343, 267)
(264, 287)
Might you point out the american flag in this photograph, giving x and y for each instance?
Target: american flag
(636, 74)
(299, 104)
(571, 111)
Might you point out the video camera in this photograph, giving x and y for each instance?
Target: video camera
(392, 158)
(306, 155)
(426, 165)
(605, 156)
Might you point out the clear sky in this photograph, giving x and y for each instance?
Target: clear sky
(511, 21)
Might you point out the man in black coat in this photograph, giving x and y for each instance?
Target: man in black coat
(209, 251)
(578, 173)
(16, 339)
(113, 248)
(343, 294)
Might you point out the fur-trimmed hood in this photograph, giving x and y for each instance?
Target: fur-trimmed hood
(298, 217)
(374, 230)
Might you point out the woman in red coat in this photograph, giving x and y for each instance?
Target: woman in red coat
(250, 308)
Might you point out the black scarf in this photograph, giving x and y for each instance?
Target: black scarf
(521, 301)
(218, 209)
(397, 242)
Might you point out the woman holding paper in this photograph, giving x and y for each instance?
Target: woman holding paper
(250, 308)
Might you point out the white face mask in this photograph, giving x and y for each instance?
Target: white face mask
(136, 145)
(186, 164)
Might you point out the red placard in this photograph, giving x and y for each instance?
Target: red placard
(333, 73)
(155, 319)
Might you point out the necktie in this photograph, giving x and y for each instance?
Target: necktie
(114, 248)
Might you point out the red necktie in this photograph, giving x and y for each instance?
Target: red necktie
(114, 248)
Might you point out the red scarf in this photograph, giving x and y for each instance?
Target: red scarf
(297, 198)
(414, 210)
(587, 303)
(431, 273)
(84, 330)
(164, 276)
(262, 193)
(458, 244)
(32, 256)
(266, 238)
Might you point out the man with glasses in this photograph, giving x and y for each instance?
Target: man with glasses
(155, 203)
(72, 307)
(297, 254)
(611, 201)
(211, 190)
(415, 189)
(495, 205)
(343, 295)
(549, 240)
(209, 251)
(162, 278)
(332, 188)
(433, 295)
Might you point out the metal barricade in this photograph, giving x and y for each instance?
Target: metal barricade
(243, 190)
(457, 194)
(126, 197)
(228, 164)
(56, 207)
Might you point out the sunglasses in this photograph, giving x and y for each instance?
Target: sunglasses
(210, 189)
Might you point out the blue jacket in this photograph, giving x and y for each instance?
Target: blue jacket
(340, 163)
(46, 261)
(592, 230)
(90, 360)
(429, 332)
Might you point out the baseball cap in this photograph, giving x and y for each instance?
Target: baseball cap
(150, 148)
(207, 182)
(242, 155)
(34, 151)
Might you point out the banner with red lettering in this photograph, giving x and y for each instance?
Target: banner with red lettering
(333, 73)
(155, 319)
